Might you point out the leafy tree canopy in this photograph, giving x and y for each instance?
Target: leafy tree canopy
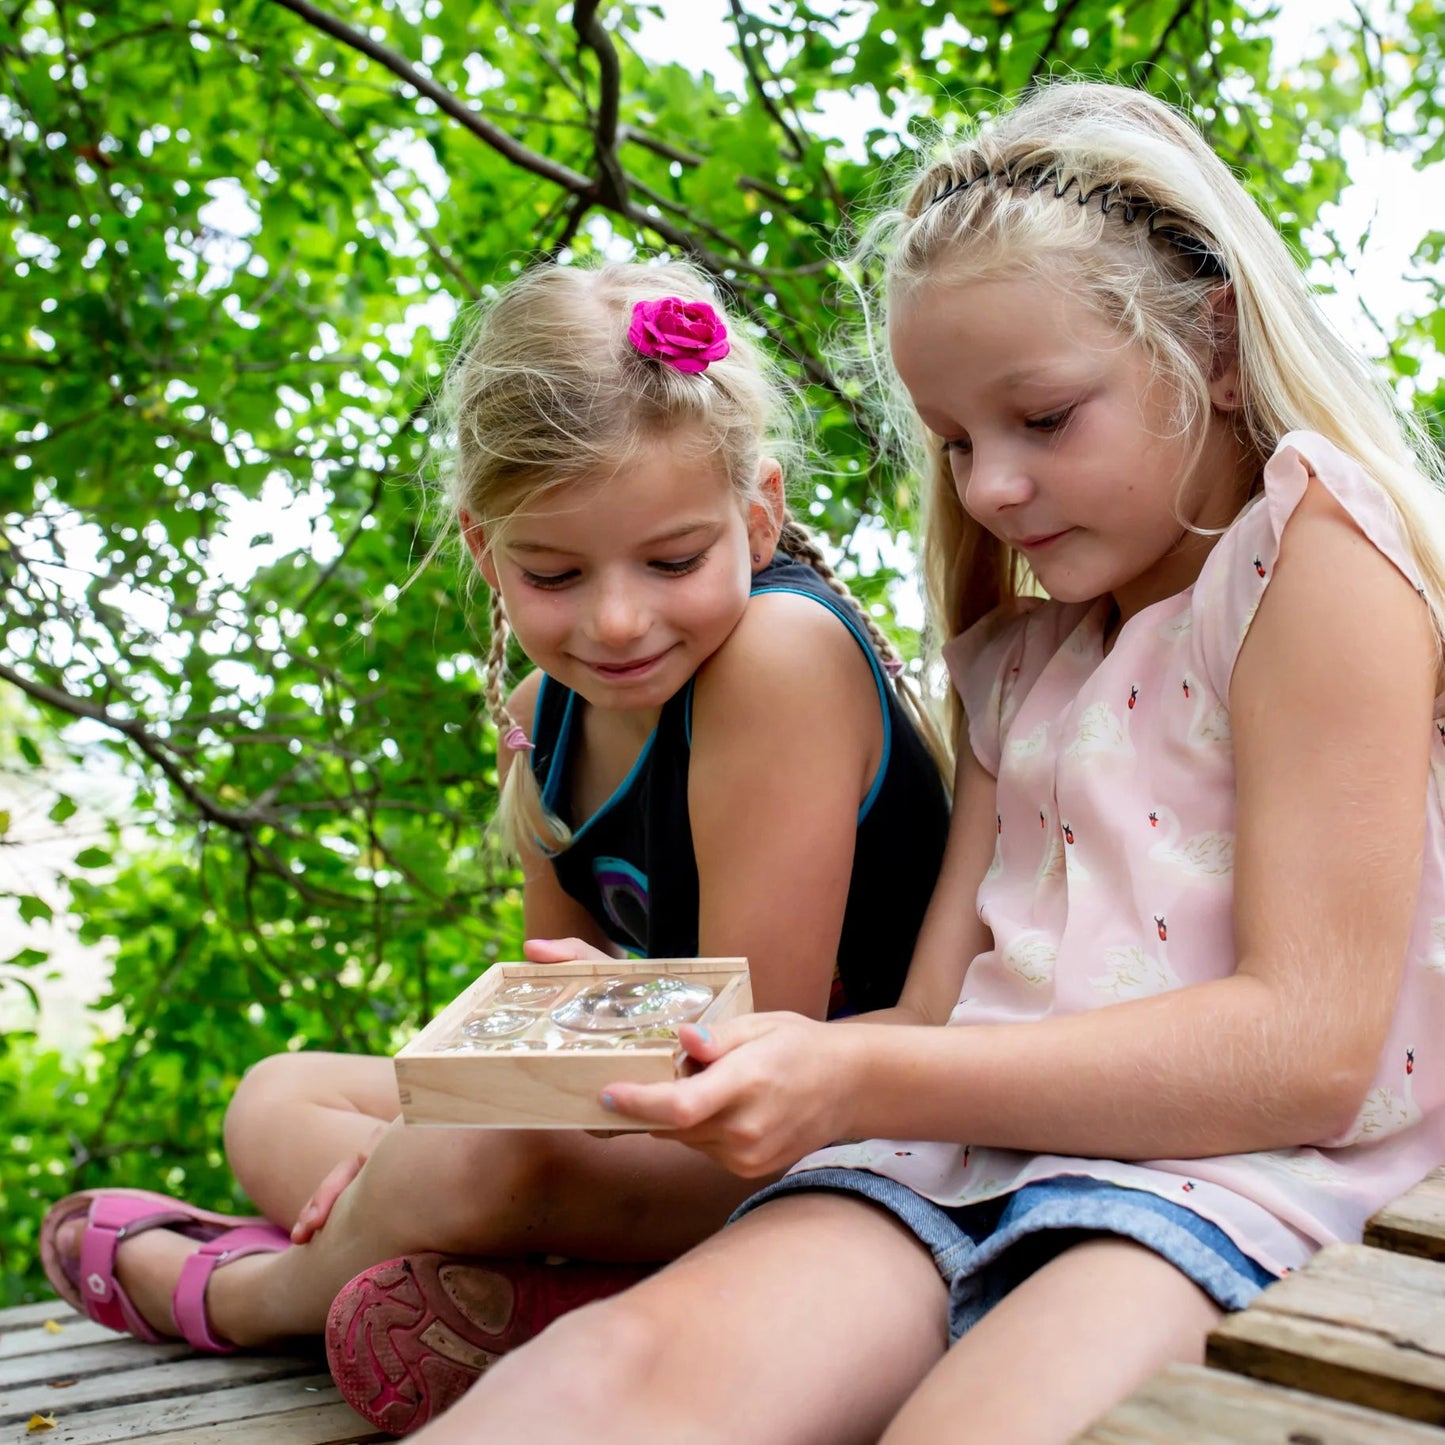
(233, 240)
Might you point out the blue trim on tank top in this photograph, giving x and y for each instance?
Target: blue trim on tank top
(878, 680)
(559, 751)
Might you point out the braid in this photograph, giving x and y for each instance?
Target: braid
(496, 666)
(522, 818)
(798, 541)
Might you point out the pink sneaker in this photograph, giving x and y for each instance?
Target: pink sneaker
(406, 1338)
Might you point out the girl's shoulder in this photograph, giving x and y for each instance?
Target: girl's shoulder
(791, 674)
(787, 643)
(1310, 480)
(1300, 458)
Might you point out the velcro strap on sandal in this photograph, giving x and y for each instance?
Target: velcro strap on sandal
(110, 1221)
(188, 1304)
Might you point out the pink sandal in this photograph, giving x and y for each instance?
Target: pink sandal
(406, 1338)
(89, 1284)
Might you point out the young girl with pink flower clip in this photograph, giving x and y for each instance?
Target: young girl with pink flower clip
(710, 756)
(1177, 1013)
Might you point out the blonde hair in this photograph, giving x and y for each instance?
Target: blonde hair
(546, 390)
(1116, 197)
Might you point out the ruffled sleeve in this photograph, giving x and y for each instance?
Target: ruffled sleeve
(1233, 580)
(983, 664)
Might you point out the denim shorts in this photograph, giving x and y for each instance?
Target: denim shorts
(984, 1251)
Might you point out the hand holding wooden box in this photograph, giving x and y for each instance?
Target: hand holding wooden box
(498, 1057)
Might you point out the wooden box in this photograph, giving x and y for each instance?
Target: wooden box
(545, 1078)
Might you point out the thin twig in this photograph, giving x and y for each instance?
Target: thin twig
(483, 129)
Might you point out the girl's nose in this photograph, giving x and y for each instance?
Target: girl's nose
(995, 481)
(616, 616)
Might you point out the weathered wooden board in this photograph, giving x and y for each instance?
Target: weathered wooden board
(22, 1317)
(1355, 1324)
(71, 1333)
(149, 1381)
(256, 1414)
(335, 1423)
(100, 1387)
(332, 1423)
(1415, 1222)
(1188, 1405)
(101, 1357)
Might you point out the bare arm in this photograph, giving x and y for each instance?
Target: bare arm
(786, 737)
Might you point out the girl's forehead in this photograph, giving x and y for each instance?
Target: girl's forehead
(1003, 328)
(656, 492)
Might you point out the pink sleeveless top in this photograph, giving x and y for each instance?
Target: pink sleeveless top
(1112, 875)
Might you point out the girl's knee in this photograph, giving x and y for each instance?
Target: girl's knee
(617, 1350)
(267, 1084)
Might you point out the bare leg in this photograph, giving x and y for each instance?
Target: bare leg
(1068, 1343)
(458, 1191)
(319, 1109)
(812, 1319)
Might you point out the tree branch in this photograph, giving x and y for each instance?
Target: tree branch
(612, 185)
(1165, 35)
(378, 177)
(742, 23)
(464, 115)
(1061, 18)
(136, 732)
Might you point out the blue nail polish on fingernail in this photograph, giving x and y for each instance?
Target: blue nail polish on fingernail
(703, 1033)
(609, 1103)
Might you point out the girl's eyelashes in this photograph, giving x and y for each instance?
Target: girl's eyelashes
(552, 581)
(547, 580)
(1053, 421)
(683, 566)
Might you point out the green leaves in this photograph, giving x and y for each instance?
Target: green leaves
(32, 908)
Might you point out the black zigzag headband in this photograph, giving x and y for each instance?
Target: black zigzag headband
(1208, 264)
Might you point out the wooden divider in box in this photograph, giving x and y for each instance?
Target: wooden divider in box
(549, 1087)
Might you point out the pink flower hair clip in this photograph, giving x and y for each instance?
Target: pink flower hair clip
(685, 335)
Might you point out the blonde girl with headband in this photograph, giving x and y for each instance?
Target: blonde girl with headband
(1175, 1018)
(709, 755)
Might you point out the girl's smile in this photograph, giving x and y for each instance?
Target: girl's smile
(628, 671)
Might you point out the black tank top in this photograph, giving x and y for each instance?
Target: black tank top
(631, 864)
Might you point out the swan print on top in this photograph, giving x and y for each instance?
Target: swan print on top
(1113, 873)
(1134, 972)
(1206, 857)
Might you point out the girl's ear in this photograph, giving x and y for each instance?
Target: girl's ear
(766, 513)
(1223, 321)
(475, 536)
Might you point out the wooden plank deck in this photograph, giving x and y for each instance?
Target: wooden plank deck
(1348, 1351)
(98, 1387)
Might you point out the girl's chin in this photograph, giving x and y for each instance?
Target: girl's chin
(1065, 588)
